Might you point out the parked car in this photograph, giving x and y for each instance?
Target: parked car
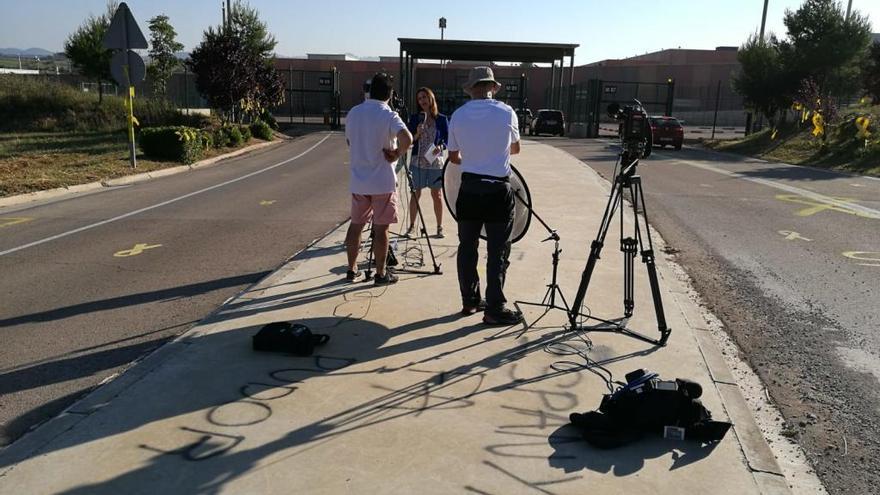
(524, 115)
(667, 130)
(548, 122)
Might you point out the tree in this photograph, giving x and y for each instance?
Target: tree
(163, 47)
(762, 81)
(825, 46)
(245, 21)
(85, 48)
(234, 65)
(871, 73)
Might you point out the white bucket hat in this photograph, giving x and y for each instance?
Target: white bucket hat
(480, 74)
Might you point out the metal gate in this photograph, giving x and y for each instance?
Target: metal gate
(589, 100)
(311, 97)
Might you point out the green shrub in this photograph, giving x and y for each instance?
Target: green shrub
(245, 133)
(261, 130)
(268, 118)
(176, 143)
(235, 137)
(221, 139)
(38, 103)
(207, 140)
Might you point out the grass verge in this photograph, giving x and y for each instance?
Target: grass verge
(842, 150)
(37, 161)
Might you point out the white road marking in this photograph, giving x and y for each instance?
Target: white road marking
(159, 205)
(870, 212)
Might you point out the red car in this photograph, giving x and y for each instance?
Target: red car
(667, 130)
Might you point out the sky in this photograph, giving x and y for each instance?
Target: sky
(603, 29)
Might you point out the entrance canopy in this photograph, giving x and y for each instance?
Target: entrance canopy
(412, 49)
(496, 51)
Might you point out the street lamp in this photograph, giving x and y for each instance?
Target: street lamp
(442, 26)
(763, 22)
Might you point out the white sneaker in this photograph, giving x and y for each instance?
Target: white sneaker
(440, 234)
(409, 232)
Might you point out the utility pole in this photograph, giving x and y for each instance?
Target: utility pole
(848, 9)
(223, 10)
(228, 13)
(764, 20)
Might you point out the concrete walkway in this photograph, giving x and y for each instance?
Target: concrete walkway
(408, 396)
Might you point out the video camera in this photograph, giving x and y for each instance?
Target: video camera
(395, 102)
(634, 130)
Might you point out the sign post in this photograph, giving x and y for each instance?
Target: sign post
(126, 66)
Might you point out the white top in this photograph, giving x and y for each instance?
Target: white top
(370, 127)
(483, 131)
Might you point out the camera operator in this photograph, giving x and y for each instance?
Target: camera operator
(483, 133)
(377, 137)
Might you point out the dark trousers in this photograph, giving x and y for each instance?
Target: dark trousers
(484, 204)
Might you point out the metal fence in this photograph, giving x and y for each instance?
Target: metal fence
(180, 89)
(309, 97)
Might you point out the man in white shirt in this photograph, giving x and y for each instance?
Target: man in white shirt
(483, 133)
(377, 137)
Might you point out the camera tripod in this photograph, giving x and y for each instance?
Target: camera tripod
(549, 299)
(423, 231)
(626, 180)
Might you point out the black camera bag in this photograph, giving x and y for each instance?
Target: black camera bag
(284, 336)
(648, 405)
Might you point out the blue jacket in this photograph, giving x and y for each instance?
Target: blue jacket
(441, 137)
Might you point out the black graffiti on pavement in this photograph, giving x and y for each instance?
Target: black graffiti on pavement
(534, 485)
(254, 405)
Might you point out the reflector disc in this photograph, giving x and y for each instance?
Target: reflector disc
(522, 215)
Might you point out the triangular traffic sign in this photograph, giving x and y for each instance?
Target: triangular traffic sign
(124, 32)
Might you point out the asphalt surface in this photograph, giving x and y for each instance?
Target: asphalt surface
(789, 259)
(93, 282)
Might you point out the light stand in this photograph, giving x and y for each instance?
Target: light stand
(625, 180)
(549, 299)
(368, 274)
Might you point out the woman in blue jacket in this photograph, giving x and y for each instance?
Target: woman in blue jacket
(430, 130)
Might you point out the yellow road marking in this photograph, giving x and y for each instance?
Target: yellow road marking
(268, 202)
(7, 221)
(864, 256)
(136, 250)
(816, 206)
(790, 235)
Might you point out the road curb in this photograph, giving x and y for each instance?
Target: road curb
(130, 179)
(759, 458)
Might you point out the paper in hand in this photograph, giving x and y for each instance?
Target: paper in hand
(432, 154)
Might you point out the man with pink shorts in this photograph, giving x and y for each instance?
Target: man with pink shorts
(377, 137)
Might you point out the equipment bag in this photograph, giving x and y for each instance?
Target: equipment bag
(284, 336)
(647, 405)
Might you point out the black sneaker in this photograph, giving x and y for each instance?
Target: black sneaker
(387, 279)
(504, 316)
(352, 275)
(469, 309)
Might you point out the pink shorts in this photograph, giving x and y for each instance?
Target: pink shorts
(382, 208)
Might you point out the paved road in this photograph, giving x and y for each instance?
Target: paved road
(79, 308)
(789, 258)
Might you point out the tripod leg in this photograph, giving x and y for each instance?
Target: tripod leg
(648, 259)
(638, 196)
(368, 274)
(629, 248)
(595, 250)
(424, 228)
